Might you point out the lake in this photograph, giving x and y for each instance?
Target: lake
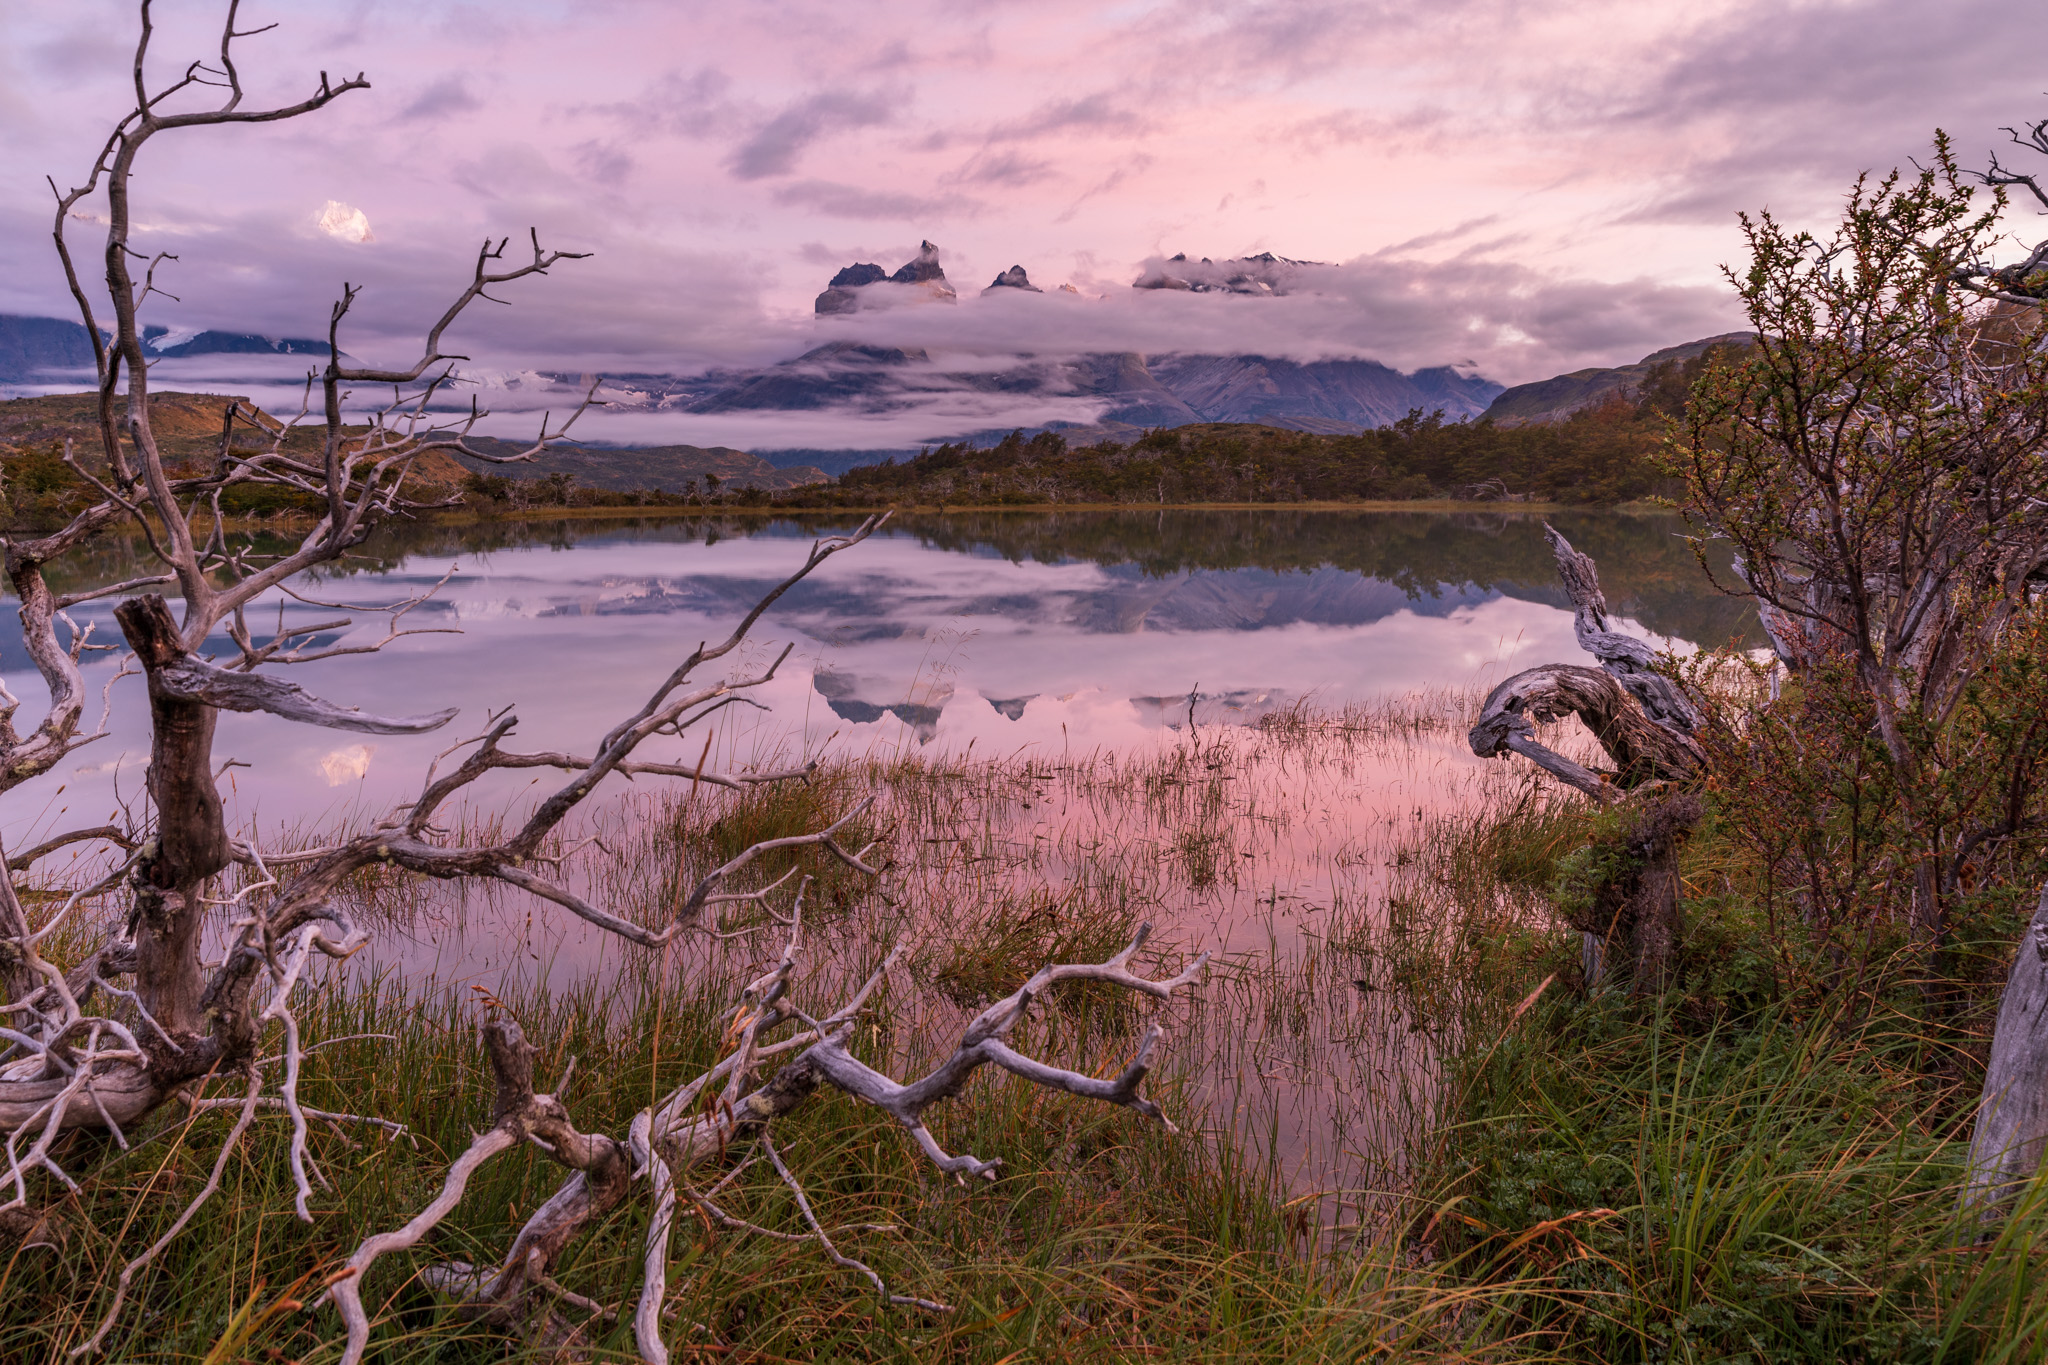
(1062, 649)
(1056, 632)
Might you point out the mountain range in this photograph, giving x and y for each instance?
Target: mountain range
(29, 345)
(1133, 392)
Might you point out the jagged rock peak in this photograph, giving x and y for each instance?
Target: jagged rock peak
(1013, 278)
(924, 269)
(843, 295)
(854, 276)
(1263, 274)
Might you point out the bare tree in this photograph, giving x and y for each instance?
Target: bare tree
(2024, 281)
(142, 1018)
(1645, 722)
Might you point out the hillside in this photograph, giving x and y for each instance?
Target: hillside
(37, 490)
(1554, 399)
(187, 425)
(1603, 455)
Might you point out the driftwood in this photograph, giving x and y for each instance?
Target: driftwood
(1645, 724)
(1641, 718)
(1641, 750)
(1624, 656)
(2011, 1135)
(670, 1139)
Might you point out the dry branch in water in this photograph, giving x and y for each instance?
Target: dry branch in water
(1639, 715)
(1646, 724)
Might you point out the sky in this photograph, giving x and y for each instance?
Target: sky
(1519, 188)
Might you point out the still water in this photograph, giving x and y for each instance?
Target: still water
(1017, 633)
(1065, 649)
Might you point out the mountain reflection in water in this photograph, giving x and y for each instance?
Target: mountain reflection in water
(1071, 647)
(1066, 631)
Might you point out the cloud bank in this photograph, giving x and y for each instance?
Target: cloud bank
(1524, 188)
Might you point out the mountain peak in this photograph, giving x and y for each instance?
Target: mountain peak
(1013, 278)
(924, 273)
(923, 270)
(854, 276)
(1263, 274)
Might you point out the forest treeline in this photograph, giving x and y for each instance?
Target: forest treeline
(1605, 454)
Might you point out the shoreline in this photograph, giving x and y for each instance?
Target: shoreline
(1432, 505)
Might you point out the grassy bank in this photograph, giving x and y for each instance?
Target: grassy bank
(1745, 1168)
(1104, 1239)
(1511, 1167)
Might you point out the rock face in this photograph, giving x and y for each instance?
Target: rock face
(1136, 395)
(851, 288)
(1263, 274)
(840, 295)
(1013, 278)
(1554, 399)
(924, 270)
(1332, 397)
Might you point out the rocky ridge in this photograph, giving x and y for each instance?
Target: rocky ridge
(849, 290)
(1263, 274)
(1015, 278)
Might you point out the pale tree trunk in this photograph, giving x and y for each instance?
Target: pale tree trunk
(2012, 1118)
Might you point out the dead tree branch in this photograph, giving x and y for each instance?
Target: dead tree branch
(671, 1138)
(1639, 715)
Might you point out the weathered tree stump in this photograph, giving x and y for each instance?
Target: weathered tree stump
(2011, 1135)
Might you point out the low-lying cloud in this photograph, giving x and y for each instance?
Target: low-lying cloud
(1509, 322)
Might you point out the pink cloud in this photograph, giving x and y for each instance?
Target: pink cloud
(1567, 174)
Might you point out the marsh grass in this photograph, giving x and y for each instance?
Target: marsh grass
(1738, 1170)
(1409, 1130)
(1776, 1192)
(1104, 1238)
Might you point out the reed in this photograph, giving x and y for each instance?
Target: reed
(1408, 1128)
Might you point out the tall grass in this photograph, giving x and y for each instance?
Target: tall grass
(1410, 1129)
(1104, 1238)
(1720, 1173)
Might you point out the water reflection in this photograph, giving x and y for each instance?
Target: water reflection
(1056, 632)
(1076, 648)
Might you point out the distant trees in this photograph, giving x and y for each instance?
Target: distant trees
(1605, 454)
